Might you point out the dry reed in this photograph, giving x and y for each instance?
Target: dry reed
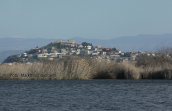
(85, 68)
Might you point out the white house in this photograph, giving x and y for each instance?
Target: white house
(80, 46)
(78, 50)
(118, 51)
(95, 49)
(42, 55)
(73, 51)
(87, 52)
(89, 47)
(25, 54)
(95, 53)
(53, 54)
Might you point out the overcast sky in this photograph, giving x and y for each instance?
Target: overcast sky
(102, 19)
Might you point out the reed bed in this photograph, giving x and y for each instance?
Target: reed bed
(157, 72)
(71, 68)
(85, 68)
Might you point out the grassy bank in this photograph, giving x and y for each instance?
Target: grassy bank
(86, 68)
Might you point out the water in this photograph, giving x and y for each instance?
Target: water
(86, 95)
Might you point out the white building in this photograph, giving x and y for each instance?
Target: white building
(42, 55)
(87, 52)
(89, 47)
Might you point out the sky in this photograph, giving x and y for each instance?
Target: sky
(98, 19)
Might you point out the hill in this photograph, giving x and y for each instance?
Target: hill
(53, 50)
(5, 54)
(143, 42)
(127, 43)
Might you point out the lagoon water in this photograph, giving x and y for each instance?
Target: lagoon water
(86, 95)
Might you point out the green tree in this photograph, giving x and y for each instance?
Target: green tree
(86, 44)
(32, 51)
(127, 54)
(113, 49)
(11, 59)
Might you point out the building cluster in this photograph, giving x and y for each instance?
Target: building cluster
(95, 52)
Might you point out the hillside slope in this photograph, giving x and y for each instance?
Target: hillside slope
(5, 54)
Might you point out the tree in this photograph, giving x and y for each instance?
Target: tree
(114, 49)
(104, 50)
(127, 54)
(32, 51)
(11, 59)
(86, 44)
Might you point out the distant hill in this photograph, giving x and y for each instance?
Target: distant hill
(142, 42)
(127, 43)
(132, 43)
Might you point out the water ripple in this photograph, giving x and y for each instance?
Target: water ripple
(83, 95)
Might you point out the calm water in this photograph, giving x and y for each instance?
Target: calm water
(86, 95)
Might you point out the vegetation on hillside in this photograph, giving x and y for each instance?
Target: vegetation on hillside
(34, 58)
(53, 46)
(12, 58)
(84, 44)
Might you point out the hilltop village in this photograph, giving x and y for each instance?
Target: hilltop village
(60, 49)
